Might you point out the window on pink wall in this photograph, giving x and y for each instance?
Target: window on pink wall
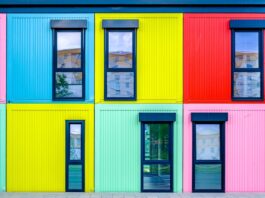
(208, 153)
(2, 58)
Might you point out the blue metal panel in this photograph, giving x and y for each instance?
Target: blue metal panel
(132, 2)
(29, 61)
(157, 117)
(209, 117)
(134, 9)
(249, 24)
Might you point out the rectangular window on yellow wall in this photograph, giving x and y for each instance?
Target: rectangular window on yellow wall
(75, 156)
(120, 59)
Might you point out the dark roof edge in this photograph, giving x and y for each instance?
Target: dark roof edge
(132, 2)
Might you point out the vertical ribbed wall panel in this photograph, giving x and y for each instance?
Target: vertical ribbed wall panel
(2, 58)
(159, 57)
(2, 147)
(36, 146)
(245, 148)
(118, 146)
(29, 71)
(207, 57)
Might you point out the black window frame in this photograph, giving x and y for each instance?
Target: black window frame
(209, 118)
(75, 162)
(120, 26)
(261, 64)
(68, 26)
(158, 118)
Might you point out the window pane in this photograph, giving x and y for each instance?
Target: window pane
(68, 49)
(68, 84)
(156, 177)
(207, 141)
(208, 176)
(75, 177)
(247, 84)
(75, 141)
(120, 49)
(247, 49)
(156, 141)
(120, 84)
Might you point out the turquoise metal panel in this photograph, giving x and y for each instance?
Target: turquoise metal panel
(118, 145)
(29, 61)
(2, 147)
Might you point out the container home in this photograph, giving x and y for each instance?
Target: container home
(2, 58)
(138, 58)
(128, 155)
(2, 147)
(224, 148)
(50, 58)
(50, 147)
(223, 55)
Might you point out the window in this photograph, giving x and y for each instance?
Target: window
(208, 152)
(157, 152)
(247, 64)
(68, 60)
(75, 156)
(120, 59)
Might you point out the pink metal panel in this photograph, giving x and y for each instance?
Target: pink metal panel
(245, 148)
(2, 58)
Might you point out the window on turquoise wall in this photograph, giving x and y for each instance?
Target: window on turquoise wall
(247, 68)
(75, 156)
(68, 60)
(157, 148)
(120, 59)
(208, 152)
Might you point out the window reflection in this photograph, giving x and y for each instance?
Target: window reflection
(156, 141)
(208, 176)
(75, 141)
(207, 142)
(156, 177)
(68, 49)
(120, 84)
(120, 49)
(247, 49)
(247, 84)
(69, 84)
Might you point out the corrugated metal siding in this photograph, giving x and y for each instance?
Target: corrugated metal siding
(36, 146)
(118, 146)
(207, 57)
(2, 147)
(245, 148)
(159, 57)
(29, 73)
(2, 58)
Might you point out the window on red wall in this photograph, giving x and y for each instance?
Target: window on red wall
(247, 60)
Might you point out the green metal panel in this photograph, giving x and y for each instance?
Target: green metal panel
(118, 146)
(2, 147)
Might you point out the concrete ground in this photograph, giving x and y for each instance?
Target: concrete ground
(132, 195)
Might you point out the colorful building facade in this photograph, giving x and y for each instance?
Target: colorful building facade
(132, 96)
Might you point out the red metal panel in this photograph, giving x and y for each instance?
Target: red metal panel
(207, 57)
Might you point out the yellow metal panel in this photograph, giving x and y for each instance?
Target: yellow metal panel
(159, 57)
(36, 145)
